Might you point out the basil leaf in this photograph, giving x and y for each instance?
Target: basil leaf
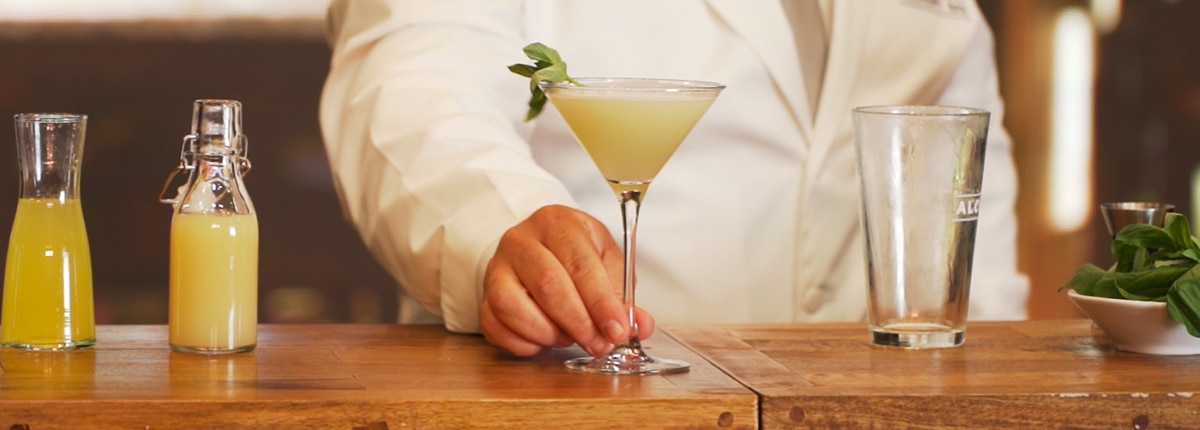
(542, 53)
(1085, 279)
(1183, 304)
(1131, 246)
(1149, 285)
(537, 101)
(1177, 229)
(548, 66)
(555, 73)
(522, 69)
(1107, 287)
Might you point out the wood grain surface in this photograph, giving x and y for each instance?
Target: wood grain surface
(1028, 374)
(352, 377)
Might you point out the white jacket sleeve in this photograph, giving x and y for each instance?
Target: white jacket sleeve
(424, 130)
(998, 290)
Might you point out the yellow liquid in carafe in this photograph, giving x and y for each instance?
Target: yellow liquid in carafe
(214, 283)
(48, 278)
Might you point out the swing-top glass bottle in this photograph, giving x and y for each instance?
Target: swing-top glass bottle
(214, 238)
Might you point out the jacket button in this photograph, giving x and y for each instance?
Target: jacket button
(812, 301)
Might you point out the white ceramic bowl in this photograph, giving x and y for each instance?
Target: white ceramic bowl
(1137, 326)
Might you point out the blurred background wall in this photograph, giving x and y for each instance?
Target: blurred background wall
(1103, 101)
(1103, 104)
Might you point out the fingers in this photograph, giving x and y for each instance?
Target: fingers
(567, 278)
(503, 296)
(499, 335)
(645, 323)
(580, 246)
(552, 281)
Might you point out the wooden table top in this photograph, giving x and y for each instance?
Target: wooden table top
(352, 377)
(1029, 374)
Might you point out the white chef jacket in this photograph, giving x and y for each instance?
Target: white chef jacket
(754, 219)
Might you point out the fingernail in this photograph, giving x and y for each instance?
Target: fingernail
(600, 347)
(563, 341)
(614, 331)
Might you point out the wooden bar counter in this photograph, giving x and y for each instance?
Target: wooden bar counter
(1031, 374)
(352, 377)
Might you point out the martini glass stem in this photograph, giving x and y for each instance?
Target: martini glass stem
(631, 202)
(628, 357)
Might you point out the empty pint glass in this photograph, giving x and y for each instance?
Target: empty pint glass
(921, 170)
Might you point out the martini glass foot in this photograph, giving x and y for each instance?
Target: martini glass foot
(627, 359)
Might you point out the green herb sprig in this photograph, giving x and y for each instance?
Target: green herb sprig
(547, 66)
(1152, 264)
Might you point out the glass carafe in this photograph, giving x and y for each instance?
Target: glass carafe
(48, 276)
(214, 238)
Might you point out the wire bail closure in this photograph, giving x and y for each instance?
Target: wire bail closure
(187, 163)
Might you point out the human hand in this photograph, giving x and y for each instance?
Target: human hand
(556, 280)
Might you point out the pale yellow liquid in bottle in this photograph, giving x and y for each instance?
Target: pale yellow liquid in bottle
(214, 283)
(630, 136)
(48, 278)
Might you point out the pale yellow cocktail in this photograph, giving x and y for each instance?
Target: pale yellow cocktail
(630, 135)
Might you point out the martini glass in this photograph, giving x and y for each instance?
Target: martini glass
(630, 127)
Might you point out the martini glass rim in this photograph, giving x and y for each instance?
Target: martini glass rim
(622, 84)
